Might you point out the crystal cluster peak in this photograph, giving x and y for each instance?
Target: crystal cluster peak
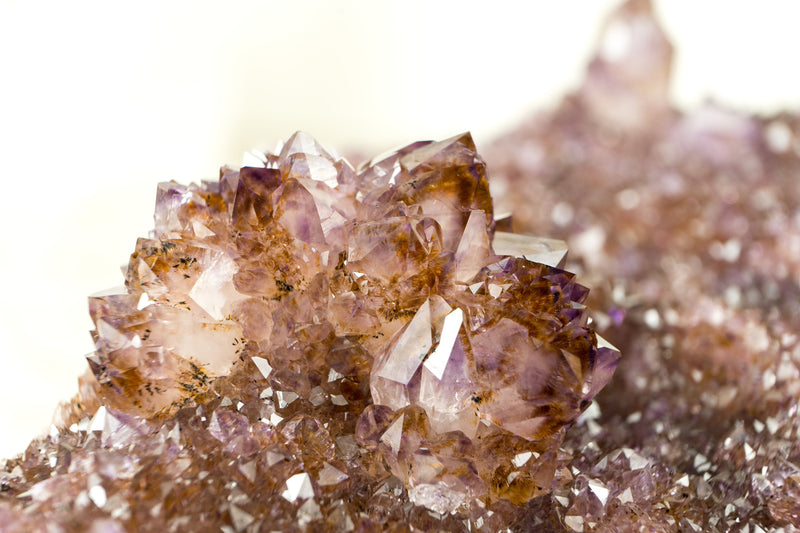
(373, 304)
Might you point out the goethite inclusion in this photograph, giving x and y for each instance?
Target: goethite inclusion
(305, 345)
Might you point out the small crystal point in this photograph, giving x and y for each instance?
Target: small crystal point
(437, 361)
(298, 487)
(473, 248)
(410, 348)
(551, 252)
(303, 143)
(455, 151)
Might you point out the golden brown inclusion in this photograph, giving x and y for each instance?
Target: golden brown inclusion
(306, 345)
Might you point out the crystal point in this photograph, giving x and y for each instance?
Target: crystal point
(409, 350)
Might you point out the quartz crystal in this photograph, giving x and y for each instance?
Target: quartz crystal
(306, 346)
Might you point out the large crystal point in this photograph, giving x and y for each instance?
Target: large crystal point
(628, 80)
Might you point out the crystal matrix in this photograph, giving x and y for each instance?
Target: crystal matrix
(305, 345)
(690, 243)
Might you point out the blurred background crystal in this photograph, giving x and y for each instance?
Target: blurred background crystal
(101, 101)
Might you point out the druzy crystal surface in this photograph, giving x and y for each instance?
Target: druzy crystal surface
(689, 240)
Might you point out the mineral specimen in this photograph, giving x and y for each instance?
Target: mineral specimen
(684, 224)
(300, 343)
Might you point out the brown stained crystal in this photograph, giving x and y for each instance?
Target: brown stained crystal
(302, 335)
(307, 346)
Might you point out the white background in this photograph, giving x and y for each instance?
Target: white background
(99, 101)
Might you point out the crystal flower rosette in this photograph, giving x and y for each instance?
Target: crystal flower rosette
(381, 297)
